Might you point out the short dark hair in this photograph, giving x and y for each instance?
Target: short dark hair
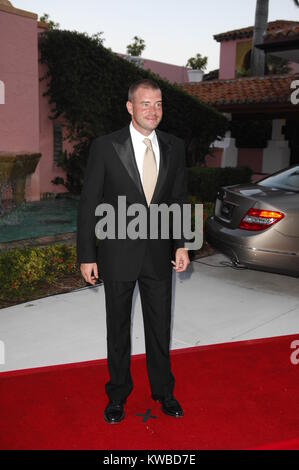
(145, 83)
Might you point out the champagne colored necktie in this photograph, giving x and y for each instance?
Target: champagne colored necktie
(149, 171)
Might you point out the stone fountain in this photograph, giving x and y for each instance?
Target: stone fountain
(14, 166)
(14, 169)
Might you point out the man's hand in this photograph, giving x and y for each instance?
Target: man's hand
(87, 269)
(181, 260)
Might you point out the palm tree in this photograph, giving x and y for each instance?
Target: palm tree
(260, 27)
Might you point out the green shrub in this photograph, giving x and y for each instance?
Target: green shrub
(22, 270)
(204, 183)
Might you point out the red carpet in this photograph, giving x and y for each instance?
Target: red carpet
(235, 396)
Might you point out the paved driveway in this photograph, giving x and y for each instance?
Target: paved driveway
(211, 304)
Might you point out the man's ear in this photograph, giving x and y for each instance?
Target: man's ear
(129, 107)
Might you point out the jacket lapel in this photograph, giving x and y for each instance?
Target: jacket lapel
(164, 147)
(124, 148)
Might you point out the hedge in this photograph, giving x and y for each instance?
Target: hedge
(204, 183)
(251, 133)
(87, 86)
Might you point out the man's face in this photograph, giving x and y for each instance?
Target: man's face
(145, 109)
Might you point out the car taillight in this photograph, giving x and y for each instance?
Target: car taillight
(259, 219)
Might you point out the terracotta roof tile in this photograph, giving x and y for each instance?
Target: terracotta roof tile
(252, 90)
(286, 32)
(273, 26)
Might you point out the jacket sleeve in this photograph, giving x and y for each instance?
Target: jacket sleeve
(91, 196)
(179, 193)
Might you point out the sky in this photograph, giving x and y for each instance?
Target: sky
(173, 30)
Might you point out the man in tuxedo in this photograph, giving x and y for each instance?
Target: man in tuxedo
(148, 167)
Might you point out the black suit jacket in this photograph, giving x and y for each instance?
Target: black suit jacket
(111, 172)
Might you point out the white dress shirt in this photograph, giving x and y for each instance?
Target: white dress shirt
(140, 147)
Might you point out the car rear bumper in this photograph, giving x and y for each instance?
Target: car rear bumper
(243, 247)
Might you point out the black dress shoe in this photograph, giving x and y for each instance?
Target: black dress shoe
(170, 406)
(114, 411)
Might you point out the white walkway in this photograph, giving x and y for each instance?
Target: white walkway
(210, 305)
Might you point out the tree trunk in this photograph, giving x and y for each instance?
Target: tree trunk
(260, 27)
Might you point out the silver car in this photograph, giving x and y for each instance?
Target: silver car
(257, 225)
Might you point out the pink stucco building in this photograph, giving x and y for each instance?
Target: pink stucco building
(27, 131)
(171, 72)
(244, 98)
(25, 128)
(24, 125)
(235, 46)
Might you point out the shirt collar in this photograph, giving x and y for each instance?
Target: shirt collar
(137, 135)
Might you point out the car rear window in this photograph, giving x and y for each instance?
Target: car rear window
(287, 179)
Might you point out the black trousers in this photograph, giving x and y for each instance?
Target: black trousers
(156, 309)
